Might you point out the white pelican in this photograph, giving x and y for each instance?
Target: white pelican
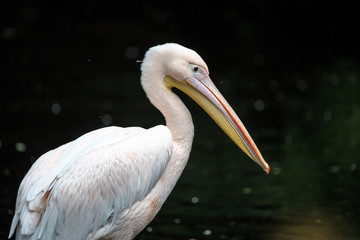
(111, 182)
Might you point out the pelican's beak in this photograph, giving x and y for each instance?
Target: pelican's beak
(204, 92)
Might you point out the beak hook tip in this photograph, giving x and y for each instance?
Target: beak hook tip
(267, 170)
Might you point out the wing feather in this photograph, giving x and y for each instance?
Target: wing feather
(76, 149)
(93, 180)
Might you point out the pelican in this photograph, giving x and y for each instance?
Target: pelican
(110, 183)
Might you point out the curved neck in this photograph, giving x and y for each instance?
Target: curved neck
(178, 120)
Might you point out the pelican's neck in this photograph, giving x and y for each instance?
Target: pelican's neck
(178, 120)
(177, 116)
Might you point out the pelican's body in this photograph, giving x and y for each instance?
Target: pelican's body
(111, 182)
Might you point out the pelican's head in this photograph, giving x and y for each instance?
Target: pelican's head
(188, 72)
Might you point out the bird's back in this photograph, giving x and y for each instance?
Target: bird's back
(78, 188)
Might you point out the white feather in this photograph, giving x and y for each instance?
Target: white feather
(110, 168)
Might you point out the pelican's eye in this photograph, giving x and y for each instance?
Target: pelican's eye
(197, 70)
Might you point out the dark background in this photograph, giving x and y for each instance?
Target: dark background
(290, 71)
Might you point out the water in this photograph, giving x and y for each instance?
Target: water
(303, 115)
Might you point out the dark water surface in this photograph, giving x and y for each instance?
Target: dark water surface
(295, 85)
